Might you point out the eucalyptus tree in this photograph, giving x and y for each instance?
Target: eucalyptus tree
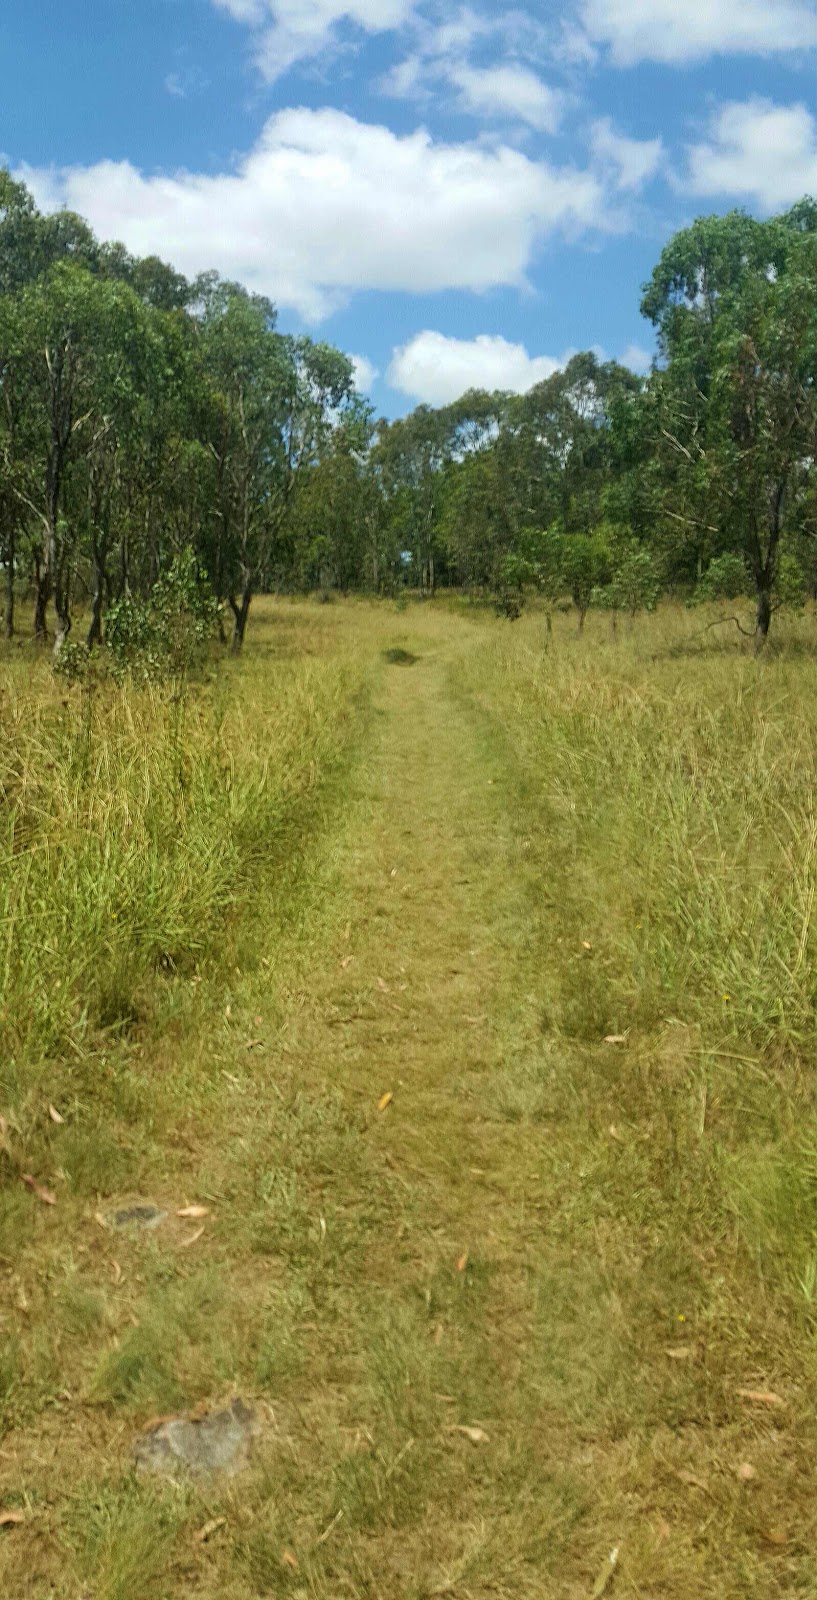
(735, 305)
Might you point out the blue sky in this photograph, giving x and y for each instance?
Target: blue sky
(456, 194)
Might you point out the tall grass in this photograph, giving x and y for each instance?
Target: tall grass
(682, 789)
(132, 822)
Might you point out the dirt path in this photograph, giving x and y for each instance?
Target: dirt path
(430, 1249)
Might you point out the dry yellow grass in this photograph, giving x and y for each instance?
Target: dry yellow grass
(505, 1321)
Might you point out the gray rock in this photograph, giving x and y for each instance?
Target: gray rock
(219, 1442)
(141, 1215)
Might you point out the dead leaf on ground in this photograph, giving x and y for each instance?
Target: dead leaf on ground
(746, 1472)
(475, 1434)
(605, 1577)
(680, 1352)
(55, 1116)
(209, 1529)
(615, 1134)
(289, 1559)
(586, 945)
(615, 1038)
(116, 1272)
(663, 1529)
(775, 1536)
(690, 1479)
(194, 1238)
(385, 1100)
(761, 1397)
(381, 984)
(346, 962)
(12, 1519)
(48, 1199)
(193, 1211)
(462, 1261)
(258, 1021)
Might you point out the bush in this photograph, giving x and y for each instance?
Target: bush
(726, 578)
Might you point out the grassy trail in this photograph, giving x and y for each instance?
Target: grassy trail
(497, 1324)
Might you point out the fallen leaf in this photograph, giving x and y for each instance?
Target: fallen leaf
(476, 1435)
(289, 1560)
(102, 1220)
(663, 1529)
(586, 945)
(228, 1011)
(209, 1529)
(761, 1397)
(393, 873)
(615, 1038)
(746, 1472)
(690, 1479)
(11, 1519)
(680, 1352)
(48, 1199)
(347, 961)
(385, 1100)
(382, 985)
(614, 1133)
(606, 1575)
(54, 1115)
(117, 1272)
(462, 1261)
(193, 1238)
(194, 1211)
(775, 1536)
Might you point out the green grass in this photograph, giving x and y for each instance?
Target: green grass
(453, 885)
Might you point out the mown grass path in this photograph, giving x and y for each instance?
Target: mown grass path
(456, 1250)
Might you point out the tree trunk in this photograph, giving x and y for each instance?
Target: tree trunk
(764, 616)
(41, 597)
(95, 630)
(582, 615)
(241, 611)
(10, 555)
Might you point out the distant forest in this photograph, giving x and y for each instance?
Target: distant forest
(146, 419)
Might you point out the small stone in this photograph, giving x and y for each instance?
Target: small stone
(142, 1215)
(218, 1442)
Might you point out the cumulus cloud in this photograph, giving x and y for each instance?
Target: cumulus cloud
(757, 151)
(365, 373)
(437, 369)
(286, 31)
(631, 162)
(507, 87)
(325, 205)
(664, 30)
(507, 90)
(636, 358)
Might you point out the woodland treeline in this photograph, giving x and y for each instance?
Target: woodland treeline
(146, 418)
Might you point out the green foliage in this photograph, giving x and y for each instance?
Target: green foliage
(635, 584)
(725, 579)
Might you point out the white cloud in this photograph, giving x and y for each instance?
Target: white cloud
(286, 31)
(757, 151)
(325, 205)
(667, 30)
(507, 90)
(437, 369)
(365, 373)
(636, 358)
(631, 161)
